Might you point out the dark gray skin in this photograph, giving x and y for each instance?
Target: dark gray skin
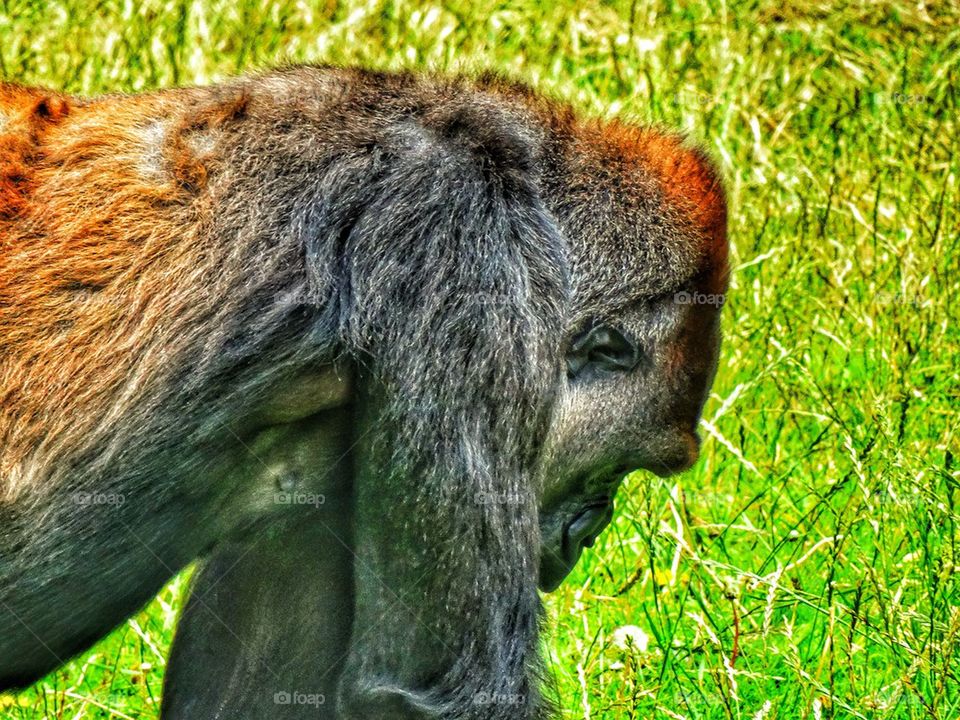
(414, 270)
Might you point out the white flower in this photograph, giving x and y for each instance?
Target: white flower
(631, 637)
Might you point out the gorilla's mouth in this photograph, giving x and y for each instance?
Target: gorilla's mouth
(583, 530)
(579, 532)
(579, 519)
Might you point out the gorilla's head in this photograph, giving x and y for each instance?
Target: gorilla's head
(640, 361)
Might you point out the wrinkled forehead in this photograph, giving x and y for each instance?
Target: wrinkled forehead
(644, 215)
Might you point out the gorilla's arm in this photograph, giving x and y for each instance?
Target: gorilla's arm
(464, 299)
(265, 631)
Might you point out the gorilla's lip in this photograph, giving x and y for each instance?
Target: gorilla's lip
(594, 512)
(583, 530)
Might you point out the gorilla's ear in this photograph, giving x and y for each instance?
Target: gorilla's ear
(458, 284)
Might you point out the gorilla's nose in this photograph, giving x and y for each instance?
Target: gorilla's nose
(680, 455)
(675, 452)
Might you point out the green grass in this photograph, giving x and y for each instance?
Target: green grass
(806, 567)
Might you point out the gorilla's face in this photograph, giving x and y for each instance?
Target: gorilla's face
(635, 385)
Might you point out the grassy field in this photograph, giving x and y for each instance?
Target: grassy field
(806, 568)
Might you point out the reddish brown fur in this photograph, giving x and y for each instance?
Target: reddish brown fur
(689, 181)
(85, 236)
(26, 114)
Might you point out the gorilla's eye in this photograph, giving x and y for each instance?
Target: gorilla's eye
(604, 348)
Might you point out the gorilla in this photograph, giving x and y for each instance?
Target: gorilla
(376, 348)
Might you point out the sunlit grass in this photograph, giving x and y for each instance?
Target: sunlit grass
(805, 568)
